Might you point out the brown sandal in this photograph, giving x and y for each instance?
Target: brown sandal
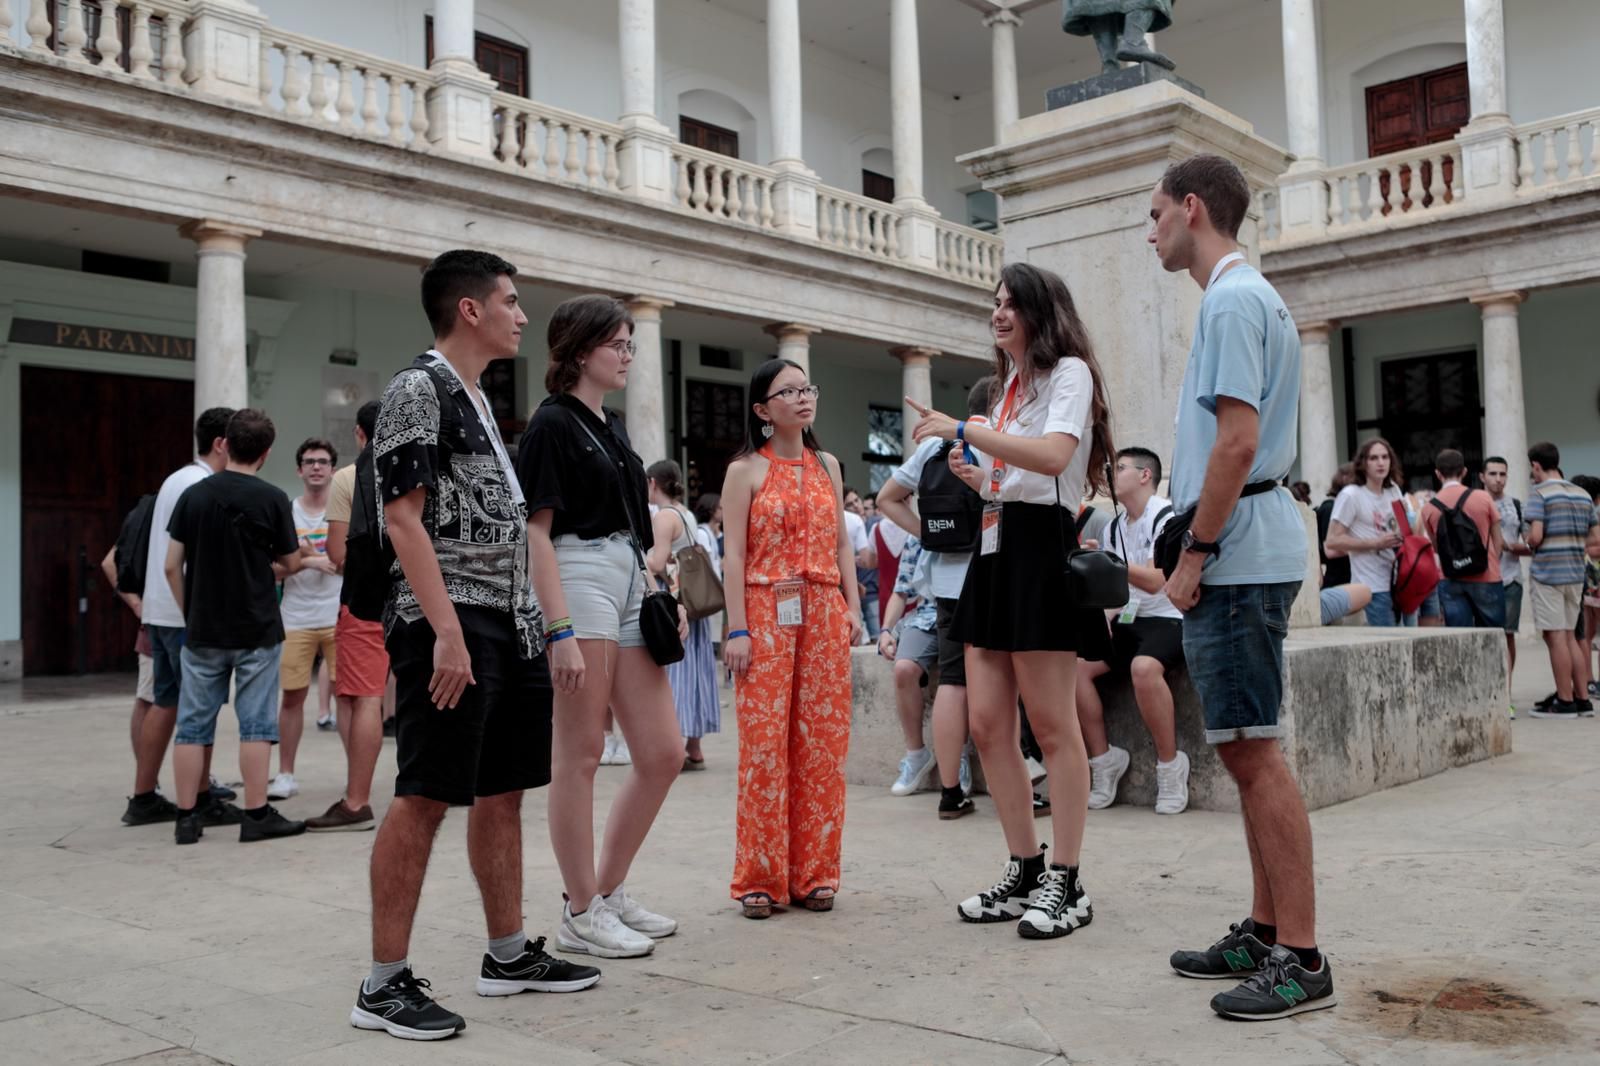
(818, 902)
(756, 905)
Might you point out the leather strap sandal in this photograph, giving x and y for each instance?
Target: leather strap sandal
(820, 899)
(757, 905)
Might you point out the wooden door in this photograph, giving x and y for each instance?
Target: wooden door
(92, 444)
(1411, 112)
(1430, 403)
(714, 431)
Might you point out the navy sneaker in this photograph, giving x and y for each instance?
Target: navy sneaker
(1282, 988)
(1235, 955)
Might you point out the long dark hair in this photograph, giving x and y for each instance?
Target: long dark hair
(760, 390)
(1397, 474)
(1055, 332)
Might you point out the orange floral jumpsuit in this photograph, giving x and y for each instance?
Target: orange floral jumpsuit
(794, 701)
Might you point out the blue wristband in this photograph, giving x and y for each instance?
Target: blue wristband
(735, 634)
(563, 635)
(961, 432)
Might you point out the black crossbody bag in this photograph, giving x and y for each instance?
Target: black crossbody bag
(1169, 542)
(658, 614)
(1095, 577)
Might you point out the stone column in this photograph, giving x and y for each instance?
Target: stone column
(1319, 448)
(1003, 67)
(460, 111)
(1488, 144)
(1505, 429)
(223, 42)
(1303, 195)
(644, 403)
(916, 382)
(221, 371)
(918, 220)
(794, 342)
(644, 156)
(794, 194)
(453, 31)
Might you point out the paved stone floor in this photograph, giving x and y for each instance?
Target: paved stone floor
(1458, 913)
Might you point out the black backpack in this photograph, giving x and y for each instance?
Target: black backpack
(132, 552)
(951, 512)
(368, 554)
(1462, 552)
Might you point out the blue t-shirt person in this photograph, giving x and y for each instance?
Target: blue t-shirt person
(1246, 347)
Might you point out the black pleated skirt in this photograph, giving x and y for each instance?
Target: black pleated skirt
(1017, 599)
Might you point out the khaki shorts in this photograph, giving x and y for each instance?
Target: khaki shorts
(1555, 606)
(300, 652)
(147, 680)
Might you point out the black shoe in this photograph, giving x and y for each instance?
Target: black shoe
(1236, 954)
(1563, 709)
(1013, 894)
(1057, 909)
(533, 971)
(220, 791)
(220, 812)
(1585, 707)
(1041, 806)
(1280, 989)
(403, 1008)
(270, 825)
(955, 807)
(388, 728)
(148, 809)
(189, 828)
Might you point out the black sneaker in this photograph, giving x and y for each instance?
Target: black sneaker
(403, 1008)
(955, 807)
(1280, 989)
(189, 828)
(1562, 709)
(270, 825)
(219, 812)
(219, 791)
(1013, 894)
(1058, 907)
(1236, 954)
(1041, 806)
(149, 809)
(388, 728)
(533, 971)
(1585, 707)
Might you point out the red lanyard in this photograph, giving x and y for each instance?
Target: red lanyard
(999, 470)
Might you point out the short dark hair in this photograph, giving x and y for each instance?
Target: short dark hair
(1588, 483)
(1144, 459)
(1546, 455)
(367, 417)
(311, 444)
(707, 506)
(1450, 463)
(668, 476)
(848, 490)
(1496, 459)
(250, 434)
(578, 327)
(212, 423)
(456, 275)
(1220, 185)
(980, 398)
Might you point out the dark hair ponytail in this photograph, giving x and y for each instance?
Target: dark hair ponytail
(760, 390)
(668, 477)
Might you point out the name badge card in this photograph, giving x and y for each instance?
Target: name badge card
(788, 594)
(1129, 613)
(990, 542)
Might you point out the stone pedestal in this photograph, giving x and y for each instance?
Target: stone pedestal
(223, 42)
(644, 159)
(460, 111)
(1115, 81)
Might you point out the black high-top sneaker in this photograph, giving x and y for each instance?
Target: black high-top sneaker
(1060, 906)
(1010, 896)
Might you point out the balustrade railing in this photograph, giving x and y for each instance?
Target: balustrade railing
(140, 38)
(1426, 179)
(313, 82)
(858, 224)
(1558, 150)
(968, 254)
(722, 187)
(546, 142)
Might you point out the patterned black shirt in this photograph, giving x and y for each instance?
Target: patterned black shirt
(479, 529)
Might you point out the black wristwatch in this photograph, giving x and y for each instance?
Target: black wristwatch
(1190, 544)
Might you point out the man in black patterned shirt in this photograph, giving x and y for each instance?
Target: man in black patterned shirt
(465, 642)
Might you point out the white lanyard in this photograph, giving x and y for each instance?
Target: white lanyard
(1223, 264)
(490, 430)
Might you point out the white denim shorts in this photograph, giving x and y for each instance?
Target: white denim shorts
(603, 587)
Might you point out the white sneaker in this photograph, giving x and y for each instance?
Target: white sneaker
(1105, 773)
(1036, 770)
(913, 772)
(636, 917)
(619, 752)
(1172, 785)
(608, 754)
(282, 787)
(599, 931)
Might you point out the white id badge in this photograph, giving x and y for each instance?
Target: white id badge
(788, 595)
(1129, 613)
(990, 542)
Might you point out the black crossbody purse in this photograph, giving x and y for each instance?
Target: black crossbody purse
(658, 614)
(1169, 542)
(1095, 577)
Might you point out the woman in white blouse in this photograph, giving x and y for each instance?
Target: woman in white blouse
(1047, 440)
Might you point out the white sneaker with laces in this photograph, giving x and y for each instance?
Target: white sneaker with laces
(636, 917)
(913, 772)
(599, 931)
(282, 787)
(1105, 774)
(619, 752)
(1172, 785)
(608, 754)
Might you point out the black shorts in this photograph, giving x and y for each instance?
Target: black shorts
(1159, 638)
(497, 739)
(952, 653)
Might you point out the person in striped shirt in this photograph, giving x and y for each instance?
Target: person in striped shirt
(1559, 516)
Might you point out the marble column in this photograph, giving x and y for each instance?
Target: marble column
(905, 96)
(460, 109)
(794, 193)
(1486, 58)
(637, 40)
(1302, 83)
(453, 31)
(1319, 447)
(1505, 428)
(1003, 67)
(916, 382)
(794, 342)
(644, 155)
(221, 369)
(644, 403)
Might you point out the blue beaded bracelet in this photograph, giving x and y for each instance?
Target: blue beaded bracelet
(562, 635)
(737, 633)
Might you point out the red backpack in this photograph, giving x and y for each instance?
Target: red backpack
(1416, 569)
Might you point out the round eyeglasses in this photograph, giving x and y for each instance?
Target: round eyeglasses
(622, 347)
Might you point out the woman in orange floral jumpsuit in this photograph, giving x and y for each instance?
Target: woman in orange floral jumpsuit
(790, 631)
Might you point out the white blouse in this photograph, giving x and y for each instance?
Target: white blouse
(1059, 403)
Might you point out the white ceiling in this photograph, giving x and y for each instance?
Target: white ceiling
(954, 44)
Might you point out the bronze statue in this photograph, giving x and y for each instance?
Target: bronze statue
(1118, 28)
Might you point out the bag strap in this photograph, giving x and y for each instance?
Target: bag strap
(634, 539)
(1062, 522)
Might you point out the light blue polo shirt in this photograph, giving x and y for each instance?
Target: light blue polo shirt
(1246, 347)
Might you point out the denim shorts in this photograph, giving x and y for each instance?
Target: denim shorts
(166, 668)
(1233, 643)
(603, 587)
(1469, 604)
(1513, 606)
(1380, 612)
(206, 676)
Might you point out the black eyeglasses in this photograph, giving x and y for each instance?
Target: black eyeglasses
(316, 462)
(794, 392)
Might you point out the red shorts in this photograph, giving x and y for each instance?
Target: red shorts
(363, 662)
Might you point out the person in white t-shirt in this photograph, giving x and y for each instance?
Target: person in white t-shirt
(1364, 527)
(1146, 640)
(310, 606)
(855, 525)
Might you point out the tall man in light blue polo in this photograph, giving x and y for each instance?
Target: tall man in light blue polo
(1243, 558)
